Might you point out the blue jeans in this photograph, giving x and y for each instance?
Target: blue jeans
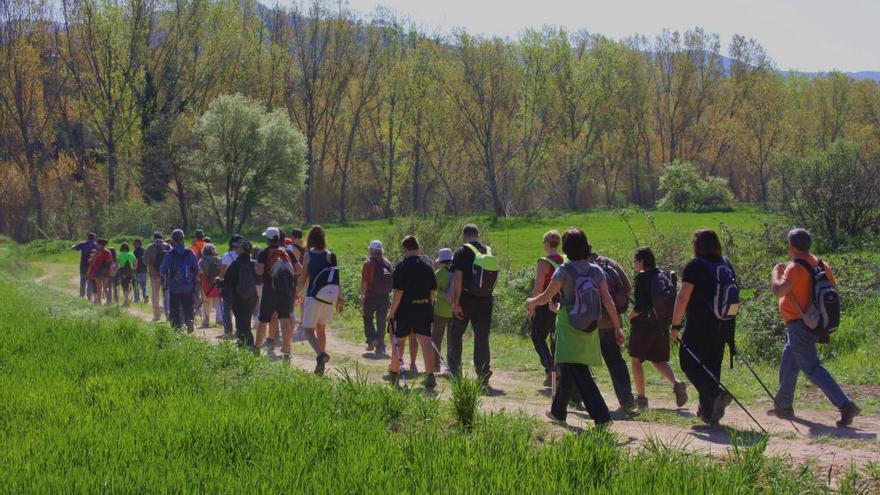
(799, 355)
(140, 286)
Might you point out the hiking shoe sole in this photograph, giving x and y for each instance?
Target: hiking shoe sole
(782, 413)
(681, 394)
(720, 406)
(847, 414)
(553, 419)
(322, 363)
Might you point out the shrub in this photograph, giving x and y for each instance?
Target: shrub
(832, 192)
(684, 190)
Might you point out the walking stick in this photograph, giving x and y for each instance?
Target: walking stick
(721, 385)
(772, 397)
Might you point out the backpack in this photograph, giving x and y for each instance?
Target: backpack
(725, 300)
(280, 269)
(246, 287)
(615, 284)
(181, 274)
(823, 313)
(161, 250)
(210, 266)
(383, 278)
(326, 288)
(664, 289)
(586, 311)
(484, 273)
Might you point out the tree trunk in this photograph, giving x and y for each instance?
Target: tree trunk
(307, 193)
(417, 172)
(572, 179)
(343, 192)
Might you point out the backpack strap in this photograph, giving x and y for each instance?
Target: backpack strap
(552, 263)
(473, 248)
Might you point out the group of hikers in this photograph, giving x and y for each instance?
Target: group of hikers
(577, 308)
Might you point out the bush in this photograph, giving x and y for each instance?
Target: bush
(684, 190)
(135, 217)
(832, 192)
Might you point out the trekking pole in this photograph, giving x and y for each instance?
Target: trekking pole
(721, 385)
(772, 397)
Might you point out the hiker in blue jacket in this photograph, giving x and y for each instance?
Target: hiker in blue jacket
(179, 270)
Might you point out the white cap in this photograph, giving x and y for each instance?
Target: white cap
(444, 254)
(272, 233)
(376, 246)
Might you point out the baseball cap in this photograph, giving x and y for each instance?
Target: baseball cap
(272, 233)
(443, 255)
(376, 245)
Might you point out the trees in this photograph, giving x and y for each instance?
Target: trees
(685, 190)
(246, 158)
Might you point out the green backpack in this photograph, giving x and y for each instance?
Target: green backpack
(485, 272)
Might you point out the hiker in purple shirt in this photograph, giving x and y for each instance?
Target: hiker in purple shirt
(85, 248)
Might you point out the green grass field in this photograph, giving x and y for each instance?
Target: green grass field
(94, 401)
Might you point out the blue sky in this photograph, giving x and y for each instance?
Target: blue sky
(808, 35)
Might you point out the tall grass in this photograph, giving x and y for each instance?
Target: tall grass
(103, 403)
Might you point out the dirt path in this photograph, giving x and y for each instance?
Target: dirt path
(819, 440)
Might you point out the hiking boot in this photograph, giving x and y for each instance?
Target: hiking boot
(430, 382)
(847, 413)
(380, 351)
(719, 407)
(782, 412)
(321, 363)
(190, 327)
(484, 380)
(371, 346)
(627, 407)
(641, 403)
(285, 356)
(548, 380)
(681, 394)
(553, 419)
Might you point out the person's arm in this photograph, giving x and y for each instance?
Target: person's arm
(541, 269)
(395, 303)
(779, 283)
(681, 304)
(611, 310)
(304, 282)
(546, 296)
(457, 312)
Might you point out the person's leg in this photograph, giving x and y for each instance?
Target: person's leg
(413, 351)
(539, 333)
(666, 370)
(788, 376)
(705, 385)
(454, 344)
(369, 326)
(242, 311)
(188, 306)
(321, 333)
(381, 314)
(83, 279)
(207, 309)
(274, 331)
(438, 328)
(559, 407)
(481, 321)
(399, 344)
(226, 307)
(617, 368)
(590, 395)
(803, 346)
(174, 311)
(638, 375)
(99, 291)
(155, 286)
(286, 334)
(424, 342)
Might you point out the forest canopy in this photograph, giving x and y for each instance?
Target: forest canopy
(105, 105)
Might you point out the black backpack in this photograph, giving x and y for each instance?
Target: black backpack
(824, 308)
(161, 250)
(664, 289)
(246, 288)
(615, 285)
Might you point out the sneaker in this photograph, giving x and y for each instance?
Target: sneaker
(847, 413)
(718, 409)
(430, 382)
(548, 381)
(782, 412)
(553, 419)
(627, 407)
(269, 344)
(681, 394)
(190, 328)
(641, 403)
(321, 363)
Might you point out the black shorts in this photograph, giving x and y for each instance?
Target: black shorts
(649, 342)
(404, 328)
(275, 302)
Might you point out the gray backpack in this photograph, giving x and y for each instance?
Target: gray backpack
(586, 310)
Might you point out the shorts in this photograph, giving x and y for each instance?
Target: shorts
(647, 342)
(404, 328)
(275, 302)
(316, 313)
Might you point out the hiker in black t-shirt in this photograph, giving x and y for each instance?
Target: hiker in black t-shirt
(469, 307)
(704, 334)
(412, 308)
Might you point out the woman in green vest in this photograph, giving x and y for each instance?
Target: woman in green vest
(581, 287)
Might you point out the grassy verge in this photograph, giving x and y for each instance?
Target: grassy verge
(91, 400)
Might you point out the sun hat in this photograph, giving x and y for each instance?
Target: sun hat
(444, 255)
(272, 233)
(376, 245)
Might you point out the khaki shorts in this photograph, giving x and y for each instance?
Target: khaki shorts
(316, 313)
